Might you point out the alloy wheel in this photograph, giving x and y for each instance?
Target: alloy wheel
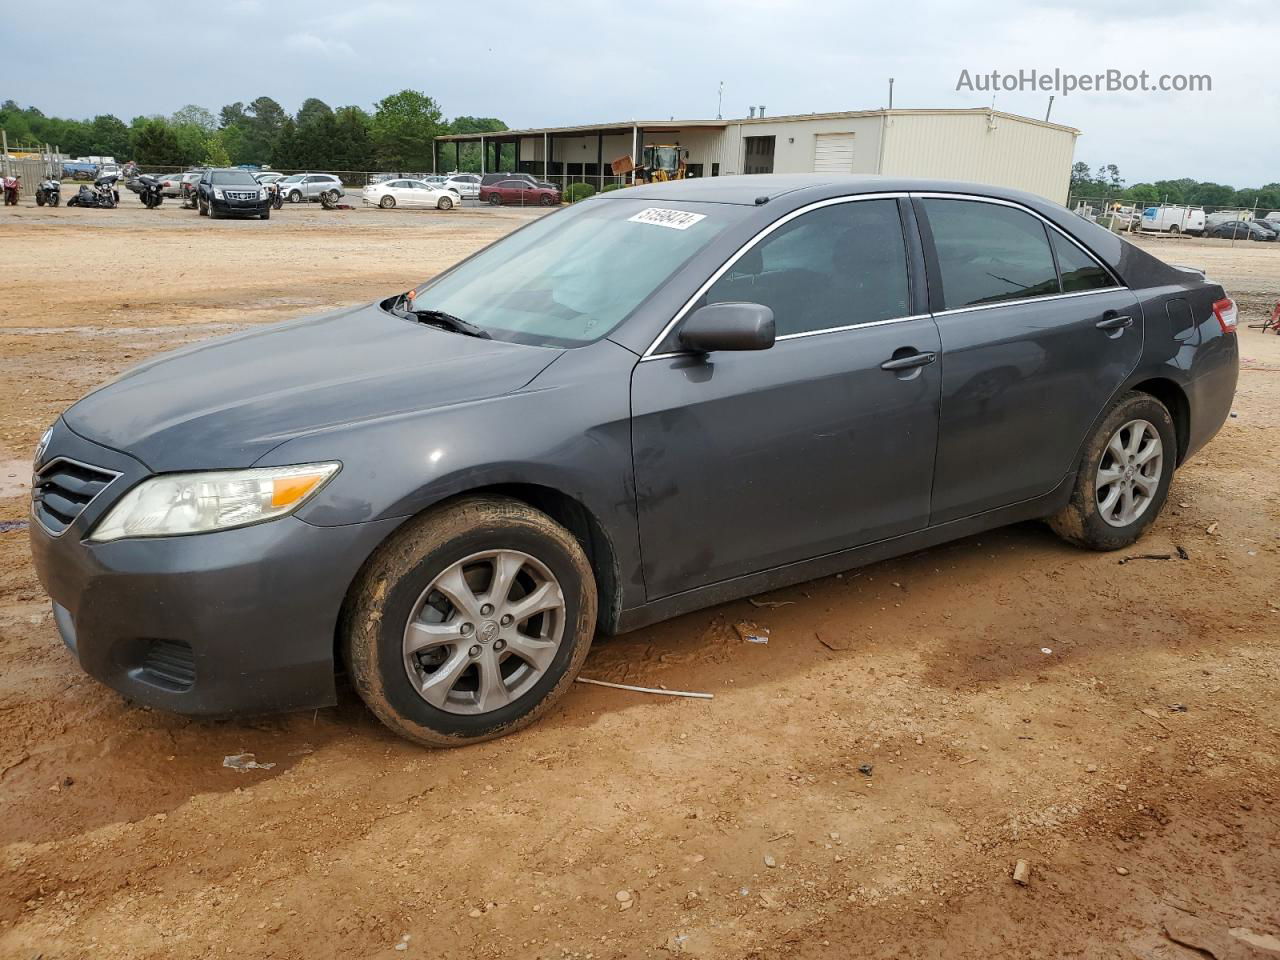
(1129, 473)
(484, 632)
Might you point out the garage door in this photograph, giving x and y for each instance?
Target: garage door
(833, 153)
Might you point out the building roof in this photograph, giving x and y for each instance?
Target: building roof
(625, 126)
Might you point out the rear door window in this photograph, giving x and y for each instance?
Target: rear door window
(989, 253)
(1077, 269)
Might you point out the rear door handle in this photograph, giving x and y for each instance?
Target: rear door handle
(1114, 321)
(906, 363)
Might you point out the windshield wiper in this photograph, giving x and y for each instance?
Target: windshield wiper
(439, 318)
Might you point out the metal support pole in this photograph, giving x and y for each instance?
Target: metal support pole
(635, 146)
(482, 156)
(546, 159)
(600, 159)
(435, 153)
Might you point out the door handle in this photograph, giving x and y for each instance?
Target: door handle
(906, 363)
(1114, 321)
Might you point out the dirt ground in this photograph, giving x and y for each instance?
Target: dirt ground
(1114, 725)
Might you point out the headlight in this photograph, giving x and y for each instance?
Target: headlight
(217, 193)
(179, 503)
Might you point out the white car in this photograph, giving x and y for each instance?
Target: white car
(466, 185)
(410, 193)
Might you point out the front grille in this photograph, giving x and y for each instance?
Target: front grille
(241, 196)
(170, 664)
(63, 488)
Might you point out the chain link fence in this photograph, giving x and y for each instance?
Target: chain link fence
(1174, 219)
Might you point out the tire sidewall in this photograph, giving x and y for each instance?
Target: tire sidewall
(1133, 407)
(411, 572)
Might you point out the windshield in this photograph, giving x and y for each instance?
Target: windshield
(224, 177)
(573, 276)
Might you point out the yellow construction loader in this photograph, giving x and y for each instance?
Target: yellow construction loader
(660, 162)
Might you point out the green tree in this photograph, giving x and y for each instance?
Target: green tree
(215, 151)
(353, 139)
(262, 123)
(110, 136)
(405, 126)
(155, 144)
(232, 115)
(1142, 193)
(311, 110)
(195, 116)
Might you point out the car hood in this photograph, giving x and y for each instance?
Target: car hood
(225, 403)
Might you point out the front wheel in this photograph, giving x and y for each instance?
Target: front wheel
(545, 200)
(1124, 476)
(53, 200)
(39, 198)
(470, 622)
(1174, 230)
(295, 196)
(445, 203)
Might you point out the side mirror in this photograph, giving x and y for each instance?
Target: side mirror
(729, 326)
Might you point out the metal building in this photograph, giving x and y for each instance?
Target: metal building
(982, 145)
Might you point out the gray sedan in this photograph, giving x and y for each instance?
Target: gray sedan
(656, 400)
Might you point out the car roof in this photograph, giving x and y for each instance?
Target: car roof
(750, 188)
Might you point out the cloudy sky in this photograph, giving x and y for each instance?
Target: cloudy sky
(580, 61)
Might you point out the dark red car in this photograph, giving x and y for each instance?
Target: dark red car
(518, 192)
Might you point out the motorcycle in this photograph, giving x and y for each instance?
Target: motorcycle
(11, 191)
(150, 191)
(102, 194)
(49, 192)
(277, 197)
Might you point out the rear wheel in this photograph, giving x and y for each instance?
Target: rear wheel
(1124, 476)
(470, 622)
(495, 199)
(387, 202)
(1175, 230)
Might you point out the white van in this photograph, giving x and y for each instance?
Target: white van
(1173, 220)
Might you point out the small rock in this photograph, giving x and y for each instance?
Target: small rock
(623, 896)
(1021, 873)
(865, 769)
(1123, 871)
(626, 906)
(1212, 528)
(476, 913)
(402, 946)
(1090, 768)
(769, 861)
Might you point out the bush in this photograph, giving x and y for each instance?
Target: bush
(614, 186)
(579, 191)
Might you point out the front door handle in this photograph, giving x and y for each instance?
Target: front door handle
(909, 361)
(1114, 321)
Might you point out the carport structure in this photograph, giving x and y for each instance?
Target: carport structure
(583, 153)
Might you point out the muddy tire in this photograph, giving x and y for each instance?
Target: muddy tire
(440, 644)
(1124, 476)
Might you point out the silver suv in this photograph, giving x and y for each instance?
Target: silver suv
(310, 186)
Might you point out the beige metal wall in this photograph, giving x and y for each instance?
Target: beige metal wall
(794, 141)
(980, 146)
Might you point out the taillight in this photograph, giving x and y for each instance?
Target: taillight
(1226, 312)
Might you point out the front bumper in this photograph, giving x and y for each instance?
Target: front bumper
(239, 621)
(247, 207)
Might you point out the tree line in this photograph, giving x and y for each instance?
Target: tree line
(1106, 183)
(398, 134)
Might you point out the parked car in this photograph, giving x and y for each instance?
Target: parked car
(1173, 219)
(465, 185)
(1272, 227)
(1219, 217)
(492, 178)
(1240, 230)
(410, 193)
(518, 192)
(310, 186)
(630, 409)
(268, 176)
(229, 192)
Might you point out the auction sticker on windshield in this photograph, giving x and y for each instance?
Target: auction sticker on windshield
(675, 219)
